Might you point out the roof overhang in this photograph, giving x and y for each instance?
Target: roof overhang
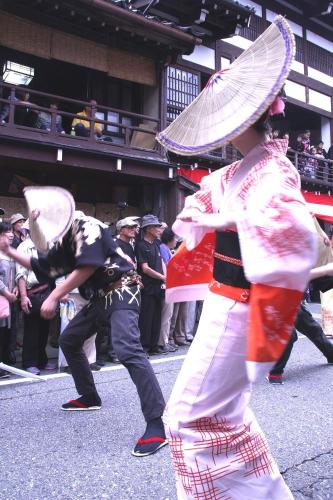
(158, 27)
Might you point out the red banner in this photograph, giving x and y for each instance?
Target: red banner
(321, 205)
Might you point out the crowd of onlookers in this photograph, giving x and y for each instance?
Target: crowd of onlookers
(25, 334)
(28, 114)
(310, 156)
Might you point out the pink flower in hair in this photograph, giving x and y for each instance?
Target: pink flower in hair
(277, 108)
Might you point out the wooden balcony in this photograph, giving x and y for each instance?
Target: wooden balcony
(316, 173)
(45, 121)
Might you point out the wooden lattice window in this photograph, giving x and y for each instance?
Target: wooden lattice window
(320, 59)
(299, 55)
(182, 88)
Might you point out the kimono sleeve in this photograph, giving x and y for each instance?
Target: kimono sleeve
(202, 200)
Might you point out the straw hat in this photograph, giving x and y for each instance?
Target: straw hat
(51, 213)
(236, 97)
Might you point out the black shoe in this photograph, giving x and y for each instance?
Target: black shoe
(84, 403)
(160, 350)
(100, 362)
(171, 348)
(182, 343)
(113, 359)
(95, 367)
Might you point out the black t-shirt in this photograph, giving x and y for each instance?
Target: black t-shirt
(149, 253)
(127, 248)
(87, 243)
(16, 241)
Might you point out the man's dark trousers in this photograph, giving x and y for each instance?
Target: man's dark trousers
(122, 309)
(150, 321)
(36, 332)
(309, 327)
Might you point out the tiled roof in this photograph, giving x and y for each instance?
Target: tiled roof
(210, 19)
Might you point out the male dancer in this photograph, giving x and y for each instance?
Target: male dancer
(259, 274)
(91, 259)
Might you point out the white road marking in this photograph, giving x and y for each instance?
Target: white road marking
(104, 369)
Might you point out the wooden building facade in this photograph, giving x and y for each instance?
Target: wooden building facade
(119, 61)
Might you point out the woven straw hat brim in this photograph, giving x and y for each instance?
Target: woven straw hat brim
(236, 97)
(56, 208)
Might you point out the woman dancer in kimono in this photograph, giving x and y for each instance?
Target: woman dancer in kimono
(265, 246)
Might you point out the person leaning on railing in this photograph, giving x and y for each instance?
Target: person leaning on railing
(44, 120)
(4, 113)
(81, 126)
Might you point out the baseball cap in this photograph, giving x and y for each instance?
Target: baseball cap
(127, 221)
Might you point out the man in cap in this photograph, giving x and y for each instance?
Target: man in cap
(17, 221)
(150, 266)
(85, 251)
(126, 229)
(126, 233)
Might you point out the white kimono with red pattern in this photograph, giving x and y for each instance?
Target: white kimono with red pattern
(218, 449)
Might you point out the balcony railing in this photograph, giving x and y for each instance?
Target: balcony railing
(313, 170)
(102, 126)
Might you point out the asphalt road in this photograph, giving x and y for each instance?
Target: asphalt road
(46, 453)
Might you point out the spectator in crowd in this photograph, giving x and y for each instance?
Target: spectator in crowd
(275, 134)
(321, 150)
(178, 325)
(82, 126)
(286, 136)
(306, 140)
(126, 231)
(190, 320)
(4, 113)
(168, 243)
(311, 165)
(321, 155)
(298, 145)
(150, 267)
(44, 120)
(36, 329)
(17, 221)
(330, 152)
(8, 291)
(25, 112)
